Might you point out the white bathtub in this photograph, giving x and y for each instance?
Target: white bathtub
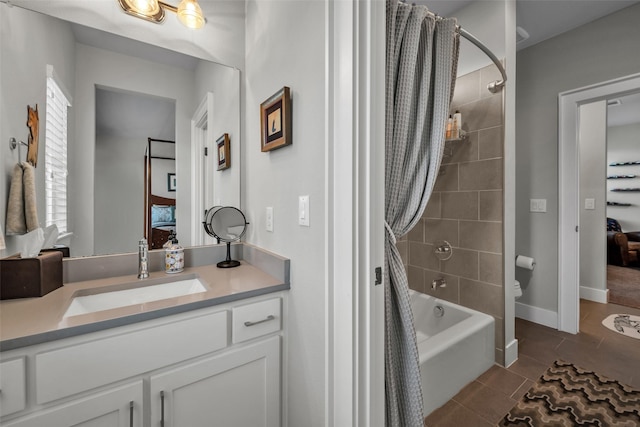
(454, 349)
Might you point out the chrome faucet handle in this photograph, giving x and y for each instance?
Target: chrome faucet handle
(143, 259)
(439, 283)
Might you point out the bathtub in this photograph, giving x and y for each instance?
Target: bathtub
(454, 349)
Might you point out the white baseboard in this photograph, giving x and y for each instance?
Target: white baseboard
(511, 353)
(537, 315)
(595, 295)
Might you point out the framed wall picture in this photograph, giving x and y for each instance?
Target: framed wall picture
(224, 155)
(275, 121)
(171, 182)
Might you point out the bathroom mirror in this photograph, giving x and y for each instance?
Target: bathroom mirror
(227, 224)
(106, 187)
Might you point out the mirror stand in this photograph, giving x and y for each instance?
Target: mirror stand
(228, 263)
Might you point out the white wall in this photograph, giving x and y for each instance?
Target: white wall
(593, 53)
(23, 82)
(623, 145)
(593, 153)
(290, 50)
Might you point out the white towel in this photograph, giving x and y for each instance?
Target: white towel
(22, 212)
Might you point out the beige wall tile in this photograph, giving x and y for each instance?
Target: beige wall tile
(467, 90)
(491, 268)
(482, 296)
(491, 143)
(481, 175)
(489, 74)
(491, 205)
(422, 255)
(441, 229)
(462, 151)
(481, 236)
(499, 332)
(463, 263)
(447, 178)
(449, 293)
(415, 275)
(482, 114)
(416, 234)
(433, 206)
(460, 205)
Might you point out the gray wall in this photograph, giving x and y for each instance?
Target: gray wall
(291, 51)
(599, 51)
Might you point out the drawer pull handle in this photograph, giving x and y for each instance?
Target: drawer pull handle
(269, 317)
(162, 408)
(131, 414)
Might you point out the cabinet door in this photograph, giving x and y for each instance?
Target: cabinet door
(240, 387)
(117, 407)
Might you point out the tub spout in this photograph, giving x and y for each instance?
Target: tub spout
(439, 283)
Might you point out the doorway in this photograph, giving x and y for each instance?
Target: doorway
(570, 202)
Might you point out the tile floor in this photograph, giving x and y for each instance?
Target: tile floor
(487, 399)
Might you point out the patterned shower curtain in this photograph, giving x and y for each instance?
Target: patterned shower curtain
(421, 64)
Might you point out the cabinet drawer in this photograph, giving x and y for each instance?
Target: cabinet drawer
(12, 386)
(81, 367)
(257, 319)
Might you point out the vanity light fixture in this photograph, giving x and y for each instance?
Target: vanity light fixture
(188, 11)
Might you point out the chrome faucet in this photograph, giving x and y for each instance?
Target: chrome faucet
(439, 283)
(143, 259)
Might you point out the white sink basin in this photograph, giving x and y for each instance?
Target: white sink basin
(135, 293)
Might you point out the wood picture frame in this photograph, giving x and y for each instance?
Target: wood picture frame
(223, 150)
(275, 121)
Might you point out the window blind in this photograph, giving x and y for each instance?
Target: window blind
(56, 156)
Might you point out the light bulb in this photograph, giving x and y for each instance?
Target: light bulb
(190, 14)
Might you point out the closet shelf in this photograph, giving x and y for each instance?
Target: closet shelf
(637, 162)
(621, 176)
(625, 189)
(618, 204)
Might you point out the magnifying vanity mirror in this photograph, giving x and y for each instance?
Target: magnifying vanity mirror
(227, 224)
(124, 92)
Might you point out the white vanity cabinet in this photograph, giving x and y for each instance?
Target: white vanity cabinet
(236, 388)
(183, 370)
(116, 407)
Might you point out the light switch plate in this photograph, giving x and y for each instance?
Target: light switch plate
(303, 210)
(269, 219)
(538, 205)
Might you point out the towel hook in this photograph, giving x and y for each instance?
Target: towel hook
(13, 143)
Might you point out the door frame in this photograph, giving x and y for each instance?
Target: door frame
(569, 103)
(200, 123)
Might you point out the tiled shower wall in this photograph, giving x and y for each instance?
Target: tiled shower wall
(466, 209)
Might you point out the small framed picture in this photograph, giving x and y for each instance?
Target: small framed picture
(171, 182)
(275, 121)
(224, 154)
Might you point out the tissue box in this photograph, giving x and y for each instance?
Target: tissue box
(30, 277)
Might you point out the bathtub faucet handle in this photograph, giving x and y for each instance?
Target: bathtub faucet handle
(439, 283)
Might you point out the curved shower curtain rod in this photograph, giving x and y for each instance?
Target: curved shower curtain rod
(495, 86)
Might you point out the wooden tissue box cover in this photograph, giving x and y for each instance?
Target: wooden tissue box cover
(30, 277)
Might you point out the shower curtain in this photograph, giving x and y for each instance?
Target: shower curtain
(421, 63)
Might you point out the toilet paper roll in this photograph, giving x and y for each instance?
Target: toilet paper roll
(525, 262)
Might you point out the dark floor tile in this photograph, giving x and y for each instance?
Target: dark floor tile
(528, 367)
(484, 401)
(541, 346)
(522, 390)
(452, 414)
(502, 380)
